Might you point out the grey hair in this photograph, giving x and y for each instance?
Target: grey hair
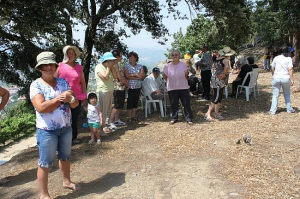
(177, 52)
(243, 61)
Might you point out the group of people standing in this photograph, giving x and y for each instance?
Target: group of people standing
(59, 93)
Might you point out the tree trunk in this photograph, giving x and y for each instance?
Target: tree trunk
(296, 48)
(87, 51)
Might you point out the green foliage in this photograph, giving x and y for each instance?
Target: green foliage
(18, 122)
(277, 21)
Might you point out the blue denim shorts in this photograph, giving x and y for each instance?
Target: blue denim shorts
(51, 142)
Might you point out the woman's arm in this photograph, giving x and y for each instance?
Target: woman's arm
(132, 76)
(291, 72)
(82, 82)
(141, 75)
(100, 115)
(226, 63)
(45, 106)
(5, 97)
(114, 73)
(119, 76)
(104, 74)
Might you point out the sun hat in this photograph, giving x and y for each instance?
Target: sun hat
(156, 70)
(187, 51)
(107, 56)
(45, 58)
(65, 51)
(226, 51)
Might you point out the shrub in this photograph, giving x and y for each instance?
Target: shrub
(18, 122)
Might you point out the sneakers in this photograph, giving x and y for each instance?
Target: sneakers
(112, 127)
(91, 141)
(99, 141)
(119, 123)
(75, 141)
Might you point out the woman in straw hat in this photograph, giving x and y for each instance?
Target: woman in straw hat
(105, 74)
(219, 80)
(71, 71)
(52, 99)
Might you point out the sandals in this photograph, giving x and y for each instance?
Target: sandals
(219, 117)
(208, 118)
(134, 119)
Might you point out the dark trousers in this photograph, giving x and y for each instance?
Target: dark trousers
(184, 97)
(75, 113)
(235, 85)
(133, 98)
(205, 78)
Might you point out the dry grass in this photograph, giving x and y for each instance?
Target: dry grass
(267, 169)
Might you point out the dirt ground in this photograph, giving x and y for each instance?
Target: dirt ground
(151, 159)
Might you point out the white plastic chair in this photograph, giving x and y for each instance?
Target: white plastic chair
(252, 85)
(226, 92)
(148, 101)
(257, 70)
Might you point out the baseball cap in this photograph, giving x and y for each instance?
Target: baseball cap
(156, 70)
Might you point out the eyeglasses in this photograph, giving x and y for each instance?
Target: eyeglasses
(175, 54)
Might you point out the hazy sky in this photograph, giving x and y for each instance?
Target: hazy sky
(144, 39)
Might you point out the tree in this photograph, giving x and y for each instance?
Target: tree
(278, 23)
(29, 27)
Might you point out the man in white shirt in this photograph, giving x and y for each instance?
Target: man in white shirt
(152, 84)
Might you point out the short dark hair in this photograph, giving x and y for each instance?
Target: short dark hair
(145, 69)
(134, 54)
(284, 49)
(250, 60)
(116, 53)
(91, 96)
(40, 66)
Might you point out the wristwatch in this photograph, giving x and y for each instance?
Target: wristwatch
(72, 100)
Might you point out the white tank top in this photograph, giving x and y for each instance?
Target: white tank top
(93, 115)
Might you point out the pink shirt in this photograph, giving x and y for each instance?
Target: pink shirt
(72, 75)
(176, 79)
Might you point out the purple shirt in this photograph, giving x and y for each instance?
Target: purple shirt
(176, 79)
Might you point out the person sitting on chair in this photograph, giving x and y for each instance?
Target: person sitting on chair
(152, 84)
(251, 62)
(245, 68)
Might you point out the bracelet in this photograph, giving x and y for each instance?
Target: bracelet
(72, 100)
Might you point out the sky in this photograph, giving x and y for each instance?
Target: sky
(147, 42)
(149, 50)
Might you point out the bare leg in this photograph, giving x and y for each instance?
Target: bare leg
(65, 170)
(92, 133)
(96, 133)
(129, 113)
(117, 114)
(134, 112)
(42, 176)
(112, 115)
(217, 108)
(210, 108)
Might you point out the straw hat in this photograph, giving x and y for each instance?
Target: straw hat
(107, 56)
(65, 51)
(226, 51)
(45, 58)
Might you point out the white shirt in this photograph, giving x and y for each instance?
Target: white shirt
(282, 65)
(61, 116)
(93, 114)
(150, 84)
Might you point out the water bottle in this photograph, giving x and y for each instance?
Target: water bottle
(85, 125)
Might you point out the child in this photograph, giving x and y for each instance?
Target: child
(94, 116)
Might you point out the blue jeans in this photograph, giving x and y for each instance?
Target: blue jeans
(267, 64)
(276, 85)
(51, 141)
